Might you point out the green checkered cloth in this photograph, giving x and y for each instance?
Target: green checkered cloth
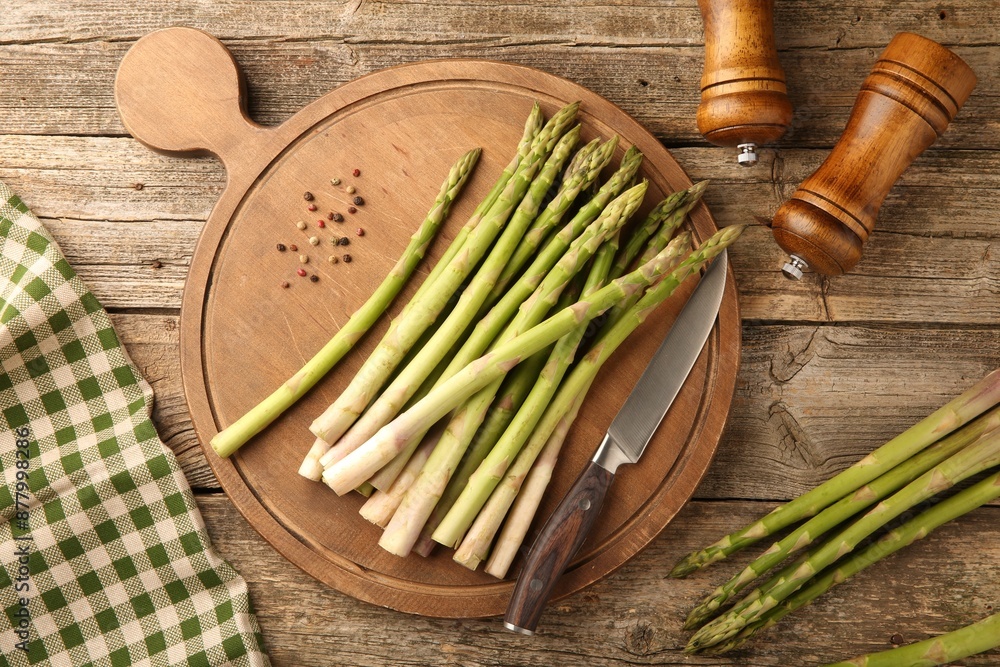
(104, 558)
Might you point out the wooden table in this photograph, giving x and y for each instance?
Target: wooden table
(831, 367)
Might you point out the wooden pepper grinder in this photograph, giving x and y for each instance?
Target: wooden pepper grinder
(913, 92)
(743, 96)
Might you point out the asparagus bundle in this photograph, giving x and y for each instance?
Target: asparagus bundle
(981, 455)
(847, 507)
(666, 217)
(420, 313)
(486, 364)
(915, 529)
(420, 501)
(508, 302)
(572, 393)
(253, 422)
(360, 464)
(926, 460)
(969, 405)
(408, 381)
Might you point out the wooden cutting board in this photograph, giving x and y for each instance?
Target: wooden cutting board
(242, 334)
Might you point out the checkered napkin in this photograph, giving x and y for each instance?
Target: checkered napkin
(104, 558)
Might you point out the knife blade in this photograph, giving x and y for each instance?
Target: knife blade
(625, 441)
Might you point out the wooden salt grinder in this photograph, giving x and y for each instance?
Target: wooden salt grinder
(913, 92)
(743, 97)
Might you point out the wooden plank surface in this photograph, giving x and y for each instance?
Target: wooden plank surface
(656, 84)
(830, 369)
(810, 400)
(930, 259)
(633, 617)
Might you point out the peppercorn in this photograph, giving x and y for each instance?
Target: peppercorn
(281, 247)
(338, 217)
(308, 196)
(333, 259)
(350, 190)
(335, 181)
(344, 241)
(284, 284)
(313, 240)
(293, 247)
(360, 232)
(311, 207)
(352, 210)
(301, 272)
(356, 173)
(314, 278)
(347, 259)
(359, 201)
(321, 224)
(300, 224)
(304, 259)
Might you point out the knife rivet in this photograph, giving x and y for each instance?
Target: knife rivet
(535, 585)
(585, 504)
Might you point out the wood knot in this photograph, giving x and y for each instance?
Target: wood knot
(639, 639)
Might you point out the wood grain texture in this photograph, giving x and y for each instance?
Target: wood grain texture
(831, 367)
(932, 260)
(810, 400)
(651, 82)
(635, 616)
(798, 23)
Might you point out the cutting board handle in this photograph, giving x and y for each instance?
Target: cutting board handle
(179, 91)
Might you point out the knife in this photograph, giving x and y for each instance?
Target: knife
(632, 429)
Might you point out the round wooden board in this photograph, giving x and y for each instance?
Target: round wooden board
(242, 334)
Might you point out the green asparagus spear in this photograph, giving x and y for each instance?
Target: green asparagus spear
(955, 645)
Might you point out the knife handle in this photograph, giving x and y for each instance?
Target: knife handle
(560, 538)
(911, 95)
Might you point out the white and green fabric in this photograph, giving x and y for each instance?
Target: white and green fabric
(104, 558)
